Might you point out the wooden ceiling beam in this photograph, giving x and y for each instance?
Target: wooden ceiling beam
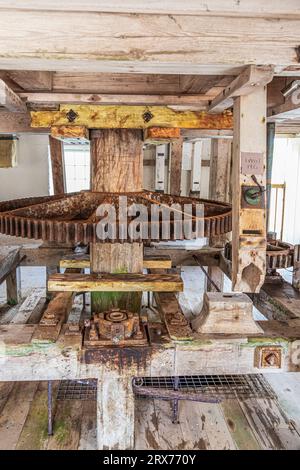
(46, 99)
(35, 80)
(10, 100)
(11, 123)
(160, 43)
(129, 117)
(244, 84)
(268, 8)
(289, 109)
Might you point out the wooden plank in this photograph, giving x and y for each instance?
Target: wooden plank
(170, 435)
(177, 326)
(211, 7)
(28, 307)
(10, 100)
(115, 406)
(43, 100)
(239, 426)
(150, 262)
(133, 117)
(270, 425)
(5, 391)
(115, 282)
(249, 221)
(193, 428)
(17, 122)
(244, 84)
(34, 433)
(54, 317)
(70, 134)
(13, 287)
(67, 425)
(289, 109)
(9, 260)
(176, 167)
(57, 165)
(278, 302)
(88, 430)
(146, 425)
(8, 151)
(161, 133)
(168, 40)
(14, 414)
(29, 80)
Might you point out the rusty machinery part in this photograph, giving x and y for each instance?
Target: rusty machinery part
(71, 218)
(280, 255)
(115, 327)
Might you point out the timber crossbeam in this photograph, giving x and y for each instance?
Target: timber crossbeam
(115, 283)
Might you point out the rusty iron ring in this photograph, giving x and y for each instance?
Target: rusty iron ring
(71, 218)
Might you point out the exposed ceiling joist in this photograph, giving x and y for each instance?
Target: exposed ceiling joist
(32, 80)
(268, 8)
(251, 78)
(290, 109)
(41, 100)
(144, 44)
(10, 100)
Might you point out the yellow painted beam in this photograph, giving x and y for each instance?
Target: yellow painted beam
(129, 117)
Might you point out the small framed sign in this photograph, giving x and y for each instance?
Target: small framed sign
(252, 163)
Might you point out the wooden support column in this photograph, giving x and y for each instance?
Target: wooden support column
(249, 179)
(115, 413)
(219, 190)
(116, 156)
(176, 166)
(296, 267)
(57, 164)
(13, 287)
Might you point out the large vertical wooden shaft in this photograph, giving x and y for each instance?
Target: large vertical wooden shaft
(116, 166)
(249, 184)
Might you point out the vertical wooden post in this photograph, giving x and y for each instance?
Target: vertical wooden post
(176, 166)
(296, 268)
(117, 159)
(249, 184)
(219, 190)
(57, 164)
(115, 412)
(13, 287)
(116, 156)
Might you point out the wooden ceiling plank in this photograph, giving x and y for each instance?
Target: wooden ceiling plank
(167, 43)
(29, 80)
(268, 8)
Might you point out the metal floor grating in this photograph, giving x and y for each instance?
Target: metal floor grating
(77, 390)
(215, 386)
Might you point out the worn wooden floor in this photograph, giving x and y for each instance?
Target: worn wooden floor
(249, 424)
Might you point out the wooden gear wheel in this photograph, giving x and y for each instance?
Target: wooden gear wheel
(71, 218)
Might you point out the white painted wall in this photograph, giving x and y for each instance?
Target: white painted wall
(31, 175)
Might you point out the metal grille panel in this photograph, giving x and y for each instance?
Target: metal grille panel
(216, 386)
(77, 390)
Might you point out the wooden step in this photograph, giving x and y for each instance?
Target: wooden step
(115, 283)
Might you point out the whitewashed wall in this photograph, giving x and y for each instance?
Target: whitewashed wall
(286, 168)
(31, 175)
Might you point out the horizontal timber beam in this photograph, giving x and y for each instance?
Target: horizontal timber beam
(268, 9)
(10, 100)
(43, 100)
(244, 84)
(17, 122)
(162, 43)
(290, 109)
(83, 262)
(129, 117)
(115, 283)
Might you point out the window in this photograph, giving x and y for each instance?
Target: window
(77, 167)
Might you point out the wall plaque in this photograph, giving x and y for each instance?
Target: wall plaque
(252, 163)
